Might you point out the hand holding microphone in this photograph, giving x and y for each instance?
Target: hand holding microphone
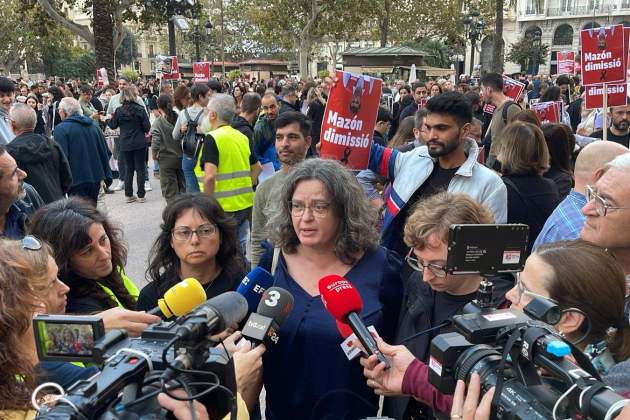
(344, 303)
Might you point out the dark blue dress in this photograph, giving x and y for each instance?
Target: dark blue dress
(307, 375)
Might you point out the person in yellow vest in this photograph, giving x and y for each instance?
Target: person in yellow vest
(228, 168)
(90, 253)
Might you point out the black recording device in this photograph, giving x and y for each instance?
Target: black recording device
(172, 354)
(508, 349)
(59, 338)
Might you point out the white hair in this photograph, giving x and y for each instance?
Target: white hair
(70, 106)
(24, 116)
(621, 162)
(224, 106)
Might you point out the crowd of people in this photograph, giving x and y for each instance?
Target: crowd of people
(244, 187)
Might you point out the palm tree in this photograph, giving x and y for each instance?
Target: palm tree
(499, 45)
(103, 25)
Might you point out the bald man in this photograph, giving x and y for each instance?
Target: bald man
(565, 223)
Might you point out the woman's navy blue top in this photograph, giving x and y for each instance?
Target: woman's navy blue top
(307, 375)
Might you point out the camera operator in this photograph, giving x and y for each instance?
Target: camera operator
(593, 318)
(431, 295)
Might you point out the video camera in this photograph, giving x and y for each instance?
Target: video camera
(519, 353)
(172, 354)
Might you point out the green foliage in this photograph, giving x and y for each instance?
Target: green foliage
(128, 50)
(81, 66)
(323, 73)
(131, 74)
(437, 50)
(233, 74)
(523, 52)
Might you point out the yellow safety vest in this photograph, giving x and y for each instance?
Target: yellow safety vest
(129, 285)
(233, 183)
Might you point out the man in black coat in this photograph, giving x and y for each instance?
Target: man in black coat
(42, 159)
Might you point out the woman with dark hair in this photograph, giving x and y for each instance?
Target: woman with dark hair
(524, 158)
(525, 115)
(167, 151)
(90, 254)
(560, 142)
(403, 92)
(436, 89)
(404, 134)
(197, 239)
(134, 123)
(33, 102)
(238, 93)
(324, 225)
(53, 109)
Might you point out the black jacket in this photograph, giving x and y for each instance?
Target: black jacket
(417, 314)
(244, 126)
(286, 106)
(134, 122)
(45, 164)
(316, 115)
(379, 139)
(40, 128)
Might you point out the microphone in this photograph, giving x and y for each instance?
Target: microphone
(344, 303)
(253, 286)
(180, 299)
(344, 329)
(273, 310)
(214, 315)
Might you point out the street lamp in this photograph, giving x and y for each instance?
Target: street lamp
(536, 47)
(473, 28)
(209, 27)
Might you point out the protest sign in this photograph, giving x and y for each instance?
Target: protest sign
(566, 62)
(603, 55)
(617, 94)
(349, 119)
(548, 112)
(201, 71)
(101, 78)
(166, 67)
(489, 108)
(512, 88)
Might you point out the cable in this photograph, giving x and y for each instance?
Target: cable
(563, 396)
(613, 408)
(411, 337)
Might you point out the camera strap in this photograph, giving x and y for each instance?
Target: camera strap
(514, 336)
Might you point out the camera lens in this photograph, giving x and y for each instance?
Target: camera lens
(482, 359)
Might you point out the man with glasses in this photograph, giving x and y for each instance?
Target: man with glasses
(566, 221)
(431, 295)
(607, 211)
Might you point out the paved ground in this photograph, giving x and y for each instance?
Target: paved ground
(141, 224)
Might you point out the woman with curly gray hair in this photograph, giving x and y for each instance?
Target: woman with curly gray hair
(324, 225)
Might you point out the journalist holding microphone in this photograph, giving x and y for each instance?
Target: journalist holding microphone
(324, 225)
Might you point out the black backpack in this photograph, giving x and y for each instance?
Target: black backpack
(192, 141)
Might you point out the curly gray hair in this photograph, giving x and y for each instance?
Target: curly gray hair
(357, 231)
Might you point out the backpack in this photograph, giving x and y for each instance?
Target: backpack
(192, 141)
(487, 140)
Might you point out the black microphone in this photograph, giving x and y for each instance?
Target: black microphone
(214, 315)
(263, 325)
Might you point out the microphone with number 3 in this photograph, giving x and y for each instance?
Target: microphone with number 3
(263, 325)
(344, 303)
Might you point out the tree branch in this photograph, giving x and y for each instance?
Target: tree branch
(80, 30)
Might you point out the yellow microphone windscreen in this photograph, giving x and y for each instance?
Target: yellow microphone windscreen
(182, 298)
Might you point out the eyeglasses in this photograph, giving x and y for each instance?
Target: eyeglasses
(419, 265)
(31, 243)
(522, 290)
(601, 204)
(203, 231)
(319, 208)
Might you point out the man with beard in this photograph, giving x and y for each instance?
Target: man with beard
(447, 162)
(292, 142)
(265, 132)
(14, 210)
(619, 131)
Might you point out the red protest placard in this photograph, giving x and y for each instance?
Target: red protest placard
(617, 94)
(201, 71)
(512, 88)
(603, 55)
(547, 112)
(349, 119)
(101, 78)
(489, 108)
(167, 67)
(566, 62)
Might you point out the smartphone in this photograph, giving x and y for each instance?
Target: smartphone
(486, 249)
(67, 338)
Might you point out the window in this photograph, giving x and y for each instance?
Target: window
(322, 65)
(591, 25)
(151, 50)
(553, 63)
(566, 5)
(563, 35)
